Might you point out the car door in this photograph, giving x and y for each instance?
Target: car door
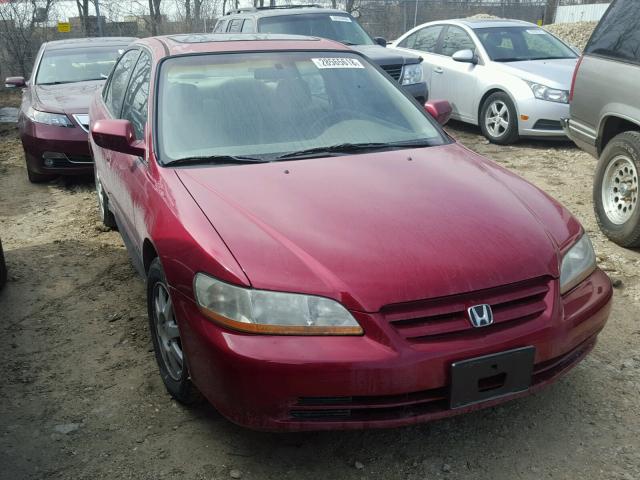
(423, 42)
(457, 81)
(135, 178)
(112, 178)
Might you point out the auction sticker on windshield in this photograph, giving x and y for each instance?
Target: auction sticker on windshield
(337, 63)
(340, 18)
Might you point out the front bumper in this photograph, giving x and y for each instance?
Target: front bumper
(418, 91)
(55, 150)
(544, 118)
(377, 380)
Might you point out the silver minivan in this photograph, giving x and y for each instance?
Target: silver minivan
(605, 118)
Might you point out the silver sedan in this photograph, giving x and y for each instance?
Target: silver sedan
(511, 78)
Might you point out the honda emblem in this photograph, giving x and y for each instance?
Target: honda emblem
(480, 315)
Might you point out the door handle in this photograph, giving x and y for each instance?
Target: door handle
(438, 70)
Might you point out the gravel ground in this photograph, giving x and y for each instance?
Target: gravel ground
(81, 397)
(576, 34)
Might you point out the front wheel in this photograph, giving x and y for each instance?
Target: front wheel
(166, 337)
(615, 190)
(498, 119)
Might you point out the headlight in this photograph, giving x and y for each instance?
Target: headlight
(577, 264)
(261, 311)
(542, 92)
(56, 119)
(411, 74)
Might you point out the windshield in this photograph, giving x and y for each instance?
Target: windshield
(332, 26)
(271, 104)
(515, 44)
(77, 64)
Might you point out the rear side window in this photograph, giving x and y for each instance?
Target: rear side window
(114, 94)
(456, 39)
(247, 26)
(424, 40)
(617, 36)
(137, 96)
(235, 26)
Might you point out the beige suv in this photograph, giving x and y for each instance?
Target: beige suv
(605, 119)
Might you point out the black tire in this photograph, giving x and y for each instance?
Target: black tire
(180, 386)
(39, 177)
(510, 134)
(3, 268)
(106, 215)
(624, 148)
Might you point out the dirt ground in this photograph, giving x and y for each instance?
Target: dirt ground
(81, 398)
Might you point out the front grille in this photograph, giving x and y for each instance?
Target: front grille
(393, 407)
(445, 318)
(548, 125)
(393, 70)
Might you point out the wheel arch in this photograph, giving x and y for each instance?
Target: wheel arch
(149, 253)
(613, 125)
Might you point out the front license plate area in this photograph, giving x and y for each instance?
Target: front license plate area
(491, 376)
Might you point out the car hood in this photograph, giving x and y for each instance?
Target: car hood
(390, 227)
(66, 97)
(552, 73)
(386, 56)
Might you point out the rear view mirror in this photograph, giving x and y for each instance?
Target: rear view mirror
(465, 56)
(440, 110)
(381, 41)
(117, 135)
(14, 82)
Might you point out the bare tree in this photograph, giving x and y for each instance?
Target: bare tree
(19, 35)
(155, 16)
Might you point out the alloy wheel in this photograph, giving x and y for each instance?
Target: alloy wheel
(167, 332)
(620, 189)
(497, 119)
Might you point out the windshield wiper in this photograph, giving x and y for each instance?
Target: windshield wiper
(219, 159)
(350, 148)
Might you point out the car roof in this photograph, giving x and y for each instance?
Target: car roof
(219, 42)
(88, 42)
(491, 22)
(279, 11)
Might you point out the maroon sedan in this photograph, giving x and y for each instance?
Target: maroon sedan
(319, 253)
(54, 118)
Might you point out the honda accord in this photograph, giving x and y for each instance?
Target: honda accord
(318, 252)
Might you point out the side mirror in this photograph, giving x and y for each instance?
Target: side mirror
(381, 41)
(440, 110)
(14, 82)
(117, 135)
(465, 56)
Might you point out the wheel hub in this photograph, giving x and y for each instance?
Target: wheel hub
(167, 332)
(620, 189)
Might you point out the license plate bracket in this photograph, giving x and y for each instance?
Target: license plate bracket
(493, 376)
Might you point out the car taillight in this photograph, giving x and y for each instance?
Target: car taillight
(573, 80)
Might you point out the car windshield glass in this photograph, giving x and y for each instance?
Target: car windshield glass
(516, 44)
(273, 104)
(333, 26)
(77, 64)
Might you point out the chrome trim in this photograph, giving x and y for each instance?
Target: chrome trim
(82, 119)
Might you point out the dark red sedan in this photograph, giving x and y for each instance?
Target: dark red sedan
(54, 118)
(319, 253)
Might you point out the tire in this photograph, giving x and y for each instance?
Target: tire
(39, 177)
(615, 190)
(498, 106)
(166, 337)
(3, 268)
(106, 215)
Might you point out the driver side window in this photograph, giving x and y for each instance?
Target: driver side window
(114, 93)
(137, 96)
